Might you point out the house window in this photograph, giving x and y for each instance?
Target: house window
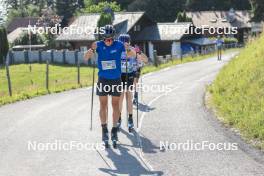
(137, 28)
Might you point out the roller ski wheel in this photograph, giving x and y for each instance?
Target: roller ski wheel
(114, 137)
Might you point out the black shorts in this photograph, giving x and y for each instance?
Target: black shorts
(112, 87)
(137, 73)
(127, 80)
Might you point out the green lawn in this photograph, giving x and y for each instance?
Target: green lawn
(26, 84)
(238, 93)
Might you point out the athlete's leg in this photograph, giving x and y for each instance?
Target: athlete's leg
(103, 109)
(121, 102)
(129, 102)
(116, 111)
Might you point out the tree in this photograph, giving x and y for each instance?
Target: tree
(66, 9)
(106, 17)
(258, 10)
(182, 17)
(49, 19)
(13, 4)
(4, 45)
(24, 11)
(161, 11)
(198, 5)
(100, 7)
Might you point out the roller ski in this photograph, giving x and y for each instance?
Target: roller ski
(105, 137)
(130, 125)
(114, 137)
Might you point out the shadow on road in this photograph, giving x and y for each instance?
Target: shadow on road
(124, 162)
(144, 108)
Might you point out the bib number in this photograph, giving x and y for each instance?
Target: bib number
(108, 65)
(126, 67)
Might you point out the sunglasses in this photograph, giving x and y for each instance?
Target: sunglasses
(108, 39)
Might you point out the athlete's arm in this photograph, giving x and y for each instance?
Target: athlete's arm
(130, 52)
(142, 57)
(90, 53)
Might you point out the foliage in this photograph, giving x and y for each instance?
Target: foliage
(24, 39)
(182, 17)
(24, 11)
(66, 9)
(4, 46)
(237, 93)
(105, 18)
(100, 7)
(165, 11)
(258, 10)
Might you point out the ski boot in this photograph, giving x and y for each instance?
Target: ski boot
(114, 137)
(135, 101)
(130, 125)
(105, 137)
(118, 126)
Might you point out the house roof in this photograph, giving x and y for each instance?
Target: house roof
(240, 19)
(21, 22)
(123, 21)
(12, 36)
(163, 31)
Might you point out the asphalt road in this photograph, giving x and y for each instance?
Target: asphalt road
(35, 135)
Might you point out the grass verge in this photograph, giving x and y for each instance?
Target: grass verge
(237, 94)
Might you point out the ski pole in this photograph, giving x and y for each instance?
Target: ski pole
(126, 93)
(92, 100)
(141, 89)
(137, 92)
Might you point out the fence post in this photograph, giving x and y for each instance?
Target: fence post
(26, 56)
(156, 62)
(64, 56)
(77, 62)
(47, 75)
(76, 57)
(40, 56)
(52, 56)
(181, 56)
(11, 57)
(8, 78)
(78, 71)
